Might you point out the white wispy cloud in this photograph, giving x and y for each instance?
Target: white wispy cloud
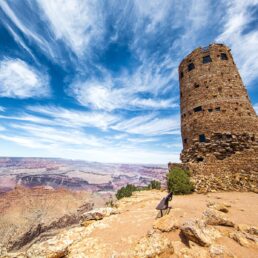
(20, 41)
(120, 94)
(244, 45)
(20, 80)
(27, 142)
(79, 23)
(2, 109)
(60, 135)
(256, 108)
(75, 118)
(15, 19)
(149, 125)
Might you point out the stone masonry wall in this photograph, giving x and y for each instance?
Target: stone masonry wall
(218, 123)
(238, 172)
(213, 97)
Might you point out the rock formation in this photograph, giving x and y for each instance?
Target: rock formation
(27, 213)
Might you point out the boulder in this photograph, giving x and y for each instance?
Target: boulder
(154, 245)
(98, 214)
(166, 223)
(214, 217)
(198, 232)
(219, 207)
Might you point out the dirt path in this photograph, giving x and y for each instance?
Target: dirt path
(137, 214)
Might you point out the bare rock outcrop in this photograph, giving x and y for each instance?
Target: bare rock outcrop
(98, 214)
(223, 207)
(166, 223)
(155, 245)
(216, 218)
(199, 232)
(245, 235)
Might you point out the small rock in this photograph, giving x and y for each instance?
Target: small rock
(213, 217)
(219, 251)
(240, 238)
(86, 223)
(216, 250)
(166, 223)
(247, 228)
(193, 252)
(198, 232)
(154, 246)
(99, 213)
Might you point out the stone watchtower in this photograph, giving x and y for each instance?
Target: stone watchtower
(218, 122)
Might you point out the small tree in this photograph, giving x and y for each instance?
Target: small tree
(178, 181)
(154, 185)
(126, 191)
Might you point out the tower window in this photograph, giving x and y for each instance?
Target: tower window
(210, 109)
(181, 75)
(198, 109)
(185, 140)
(217, 109)
(196, 85)
(199, 159)
(191, 67)
(181, 95)
(202, 138)
(206, 59)
(223, 56)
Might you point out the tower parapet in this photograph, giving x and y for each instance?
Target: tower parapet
(217, 118)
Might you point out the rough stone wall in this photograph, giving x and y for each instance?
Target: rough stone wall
(238, 172)
(218, 123)
(217, 90)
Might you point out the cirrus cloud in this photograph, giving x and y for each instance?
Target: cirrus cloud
(20, 80)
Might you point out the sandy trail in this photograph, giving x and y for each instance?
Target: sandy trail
(123, 231)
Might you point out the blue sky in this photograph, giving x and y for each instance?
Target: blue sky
(97, 80)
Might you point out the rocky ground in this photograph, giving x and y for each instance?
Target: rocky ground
(212, 225)
(26, 213)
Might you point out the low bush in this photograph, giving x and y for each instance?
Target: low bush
(178, 181)
(154, 185)
(126, 191)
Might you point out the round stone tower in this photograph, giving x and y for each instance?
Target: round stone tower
(217, 118)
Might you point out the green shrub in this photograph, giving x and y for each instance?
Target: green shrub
(178, 181)
(154, 185)
(126, 191)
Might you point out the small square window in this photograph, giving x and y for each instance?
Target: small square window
(185, 140)
(206, 59)
(196, 85)
(181, 75)
(223, 56)
(191, 67)
(210, 109)
(202, 138)
(198, 109)
(217, 109)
